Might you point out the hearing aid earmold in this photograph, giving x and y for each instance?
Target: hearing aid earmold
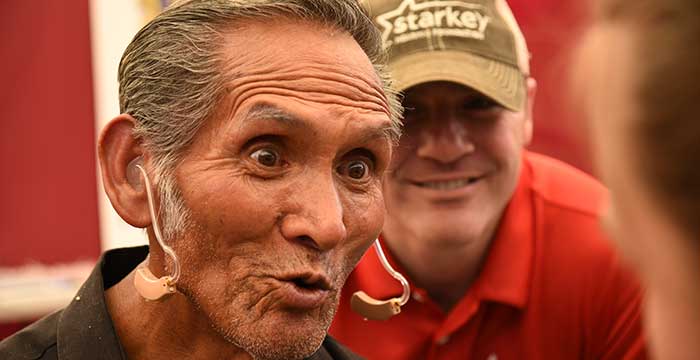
(373, 309)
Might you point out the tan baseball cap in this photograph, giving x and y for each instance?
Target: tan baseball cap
(476, 43)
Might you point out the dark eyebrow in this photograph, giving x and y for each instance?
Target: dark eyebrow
(271, 112)
(374, 133)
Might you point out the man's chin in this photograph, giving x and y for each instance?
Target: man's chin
(452, 229)
(279, 337)
(287, 342)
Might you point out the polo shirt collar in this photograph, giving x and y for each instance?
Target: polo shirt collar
(505, 277)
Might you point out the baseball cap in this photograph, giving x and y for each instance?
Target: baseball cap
(476, 43)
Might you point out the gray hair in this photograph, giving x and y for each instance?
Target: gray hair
(171, 77)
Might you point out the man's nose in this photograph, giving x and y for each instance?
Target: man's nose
(317, 220)
(445, 141)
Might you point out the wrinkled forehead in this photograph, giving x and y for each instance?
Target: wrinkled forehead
(321, 57)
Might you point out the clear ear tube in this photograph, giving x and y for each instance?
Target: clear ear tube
(146, 283)
(373, 309)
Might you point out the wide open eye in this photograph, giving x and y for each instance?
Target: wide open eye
(356, 169)
(266, 157)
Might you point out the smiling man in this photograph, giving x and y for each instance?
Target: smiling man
(257, 133)
(501, 246)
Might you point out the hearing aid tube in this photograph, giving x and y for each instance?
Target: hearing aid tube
(373, 309)
(147, 285)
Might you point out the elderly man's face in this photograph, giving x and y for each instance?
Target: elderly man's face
(283, 186)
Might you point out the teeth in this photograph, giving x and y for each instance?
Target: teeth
(447, 185)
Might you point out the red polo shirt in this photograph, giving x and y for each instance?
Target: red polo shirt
(551, 287)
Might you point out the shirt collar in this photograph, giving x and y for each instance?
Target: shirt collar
(85, 327)
(506, 274)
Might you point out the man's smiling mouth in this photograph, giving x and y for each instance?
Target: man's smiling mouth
(446, 185)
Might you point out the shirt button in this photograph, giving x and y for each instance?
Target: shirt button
(417, 297)
(443, 340)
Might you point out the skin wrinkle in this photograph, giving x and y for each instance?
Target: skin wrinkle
(257, 265)
(351, 81)
(349, 110)
(300, 70)
(242, 167)
(267, 110)
(323, 72)
(243, 128)
(270, 111)
(266, 64)
(250, 280)
(321, 96)
(240, 98)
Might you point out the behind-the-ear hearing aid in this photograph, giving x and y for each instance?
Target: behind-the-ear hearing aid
(147, 284)
(373, 309)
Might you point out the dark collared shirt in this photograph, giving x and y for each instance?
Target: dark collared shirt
(84, 329)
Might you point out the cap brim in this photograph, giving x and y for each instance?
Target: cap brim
(502, 83)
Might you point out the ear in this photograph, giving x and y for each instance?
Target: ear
(117, 148)
(528, 124)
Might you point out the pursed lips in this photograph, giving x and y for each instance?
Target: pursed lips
(304, 290)
(308, 280)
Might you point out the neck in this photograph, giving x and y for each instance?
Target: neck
(169, 328)
(445, 268)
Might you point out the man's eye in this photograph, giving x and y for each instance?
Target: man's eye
(355, 169)
(266, 157)
(479, 103)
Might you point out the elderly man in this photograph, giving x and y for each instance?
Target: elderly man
(501, 247)
(265, 129)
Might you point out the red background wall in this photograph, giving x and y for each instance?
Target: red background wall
(48, 202)
(552, 29)
(48, 206)
(48, 211)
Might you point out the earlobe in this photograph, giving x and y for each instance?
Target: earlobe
(119, 151)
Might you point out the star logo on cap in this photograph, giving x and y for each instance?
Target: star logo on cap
(426, 16)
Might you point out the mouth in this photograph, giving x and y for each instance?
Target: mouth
(305, 291)
(309, 281)
(446, 185)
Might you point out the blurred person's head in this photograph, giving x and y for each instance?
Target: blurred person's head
(464, 70)
(638, 77)
(266, 127)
